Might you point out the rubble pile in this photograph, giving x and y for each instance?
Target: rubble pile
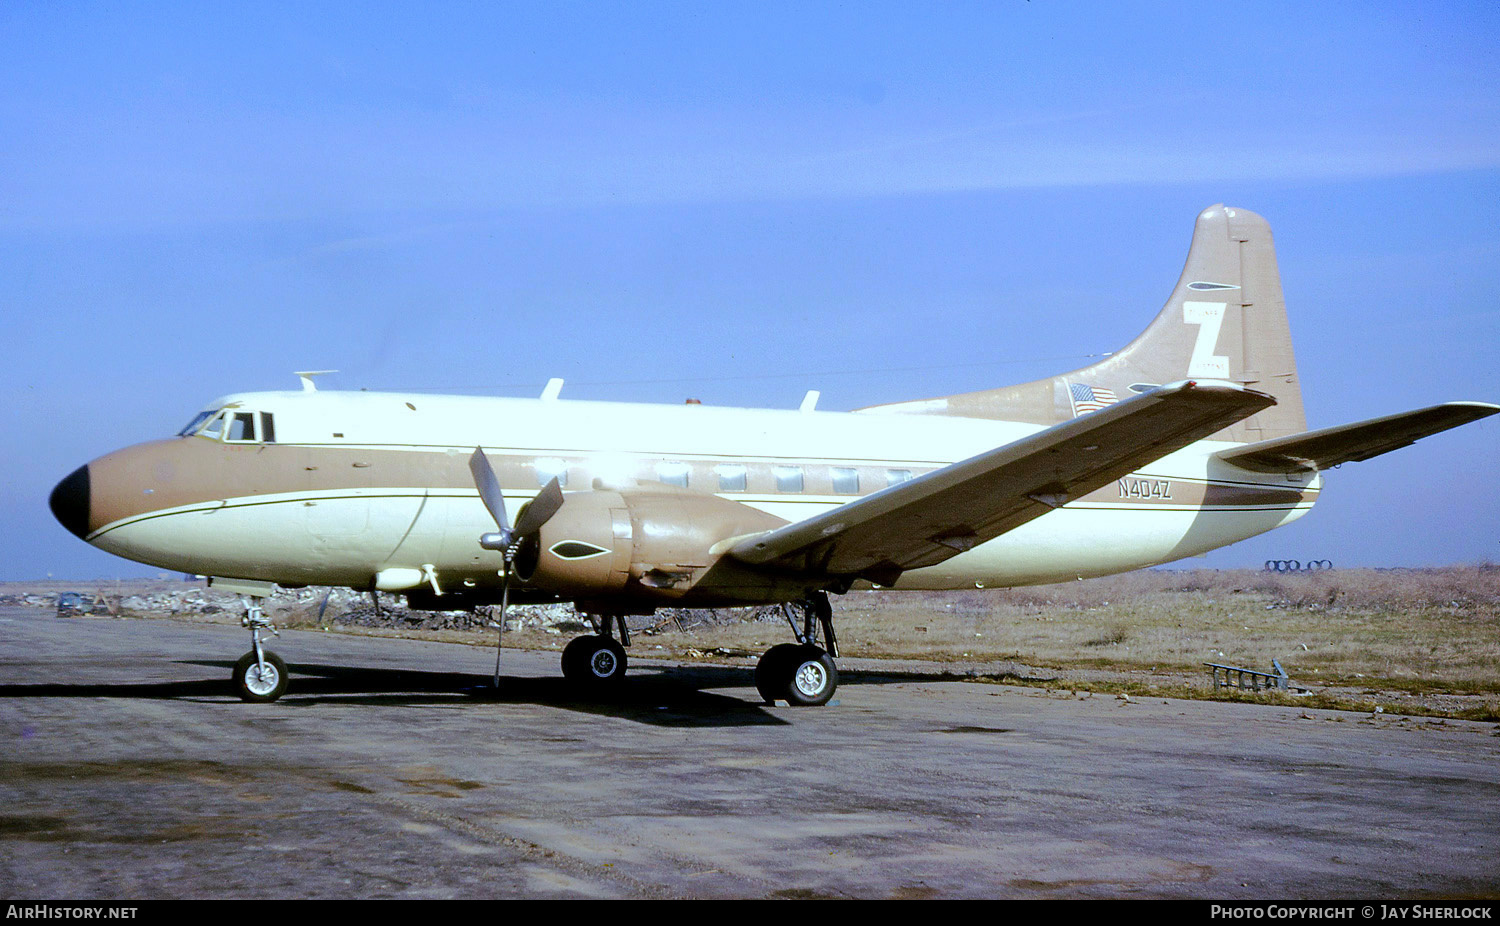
(187, 601)
(693, 618)
(331, 607)
(394, 613)
(28, 601)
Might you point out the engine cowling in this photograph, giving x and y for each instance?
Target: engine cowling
(653, 543)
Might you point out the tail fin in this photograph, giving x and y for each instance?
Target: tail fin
(1226, 320)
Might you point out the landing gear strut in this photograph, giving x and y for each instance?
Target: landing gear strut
(597, 662)
(802, 673)
(260, 675)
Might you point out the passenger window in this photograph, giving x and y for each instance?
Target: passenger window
(731, 478)
(845, 481)
(897, 476)
(788, 478)
(673, 474)
(241, 427)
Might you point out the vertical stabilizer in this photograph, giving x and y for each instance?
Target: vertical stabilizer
(1226, 320)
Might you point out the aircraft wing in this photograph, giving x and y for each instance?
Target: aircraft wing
(1348, 443)
(947, 511)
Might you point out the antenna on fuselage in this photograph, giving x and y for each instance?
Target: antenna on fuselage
(307, 378)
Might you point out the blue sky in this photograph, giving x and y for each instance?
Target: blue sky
(737, 203)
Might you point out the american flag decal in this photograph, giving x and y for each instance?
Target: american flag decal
(1089, 398)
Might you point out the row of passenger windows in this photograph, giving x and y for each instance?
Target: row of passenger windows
(736, 477)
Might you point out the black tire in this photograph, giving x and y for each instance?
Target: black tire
(594, 662)
(772, 674)
(573, 658)
(260, 684)
(801, 675)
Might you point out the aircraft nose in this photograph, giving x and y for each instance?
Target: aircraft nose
(70, 502)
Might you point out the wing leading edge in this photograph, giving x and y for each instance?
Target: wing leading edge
(945, 512)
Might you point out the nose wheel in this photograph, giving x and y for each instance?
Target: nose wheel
(260, 679)
(260, 675)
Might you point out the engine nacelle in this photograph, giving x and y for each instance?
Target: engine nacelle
(652, 543)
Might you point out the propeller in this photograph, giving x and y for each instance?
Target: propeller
(508, 540)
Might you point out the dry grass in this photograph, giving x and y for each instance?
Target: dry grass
(1419, 632)
(1433, 628)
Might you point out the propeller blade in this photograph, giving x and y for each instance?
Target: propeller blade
(533, 516)
(500, 640)
(540, 509)
(489, 487)
(494, 500)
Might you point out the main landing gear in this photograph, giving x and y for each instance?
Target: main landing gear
(260, 675)
(802, 673)
(597, 662)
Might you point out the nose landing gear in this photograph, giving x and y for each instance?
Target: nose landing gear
(260, 675)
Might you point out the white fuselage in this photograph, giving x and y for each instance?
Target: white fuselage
(359, 485)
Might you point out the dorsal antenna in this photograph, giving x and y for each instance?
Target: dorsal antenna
(307, 378)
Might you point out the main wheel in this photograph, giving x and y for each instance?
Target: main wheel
(800, 675)
(594, 661)
(260, 682)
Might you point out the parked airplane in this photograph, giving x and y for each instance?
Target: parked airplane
(1190, 438)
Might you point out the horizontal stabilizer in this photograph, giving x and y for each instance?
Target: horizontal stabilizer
(947, 511)
(1348, 443)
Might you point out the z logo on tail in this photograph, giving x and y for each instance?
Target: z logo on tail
(1209, 317)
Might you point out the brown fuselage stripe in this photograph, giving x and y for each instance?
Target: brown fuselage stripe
(180, 472)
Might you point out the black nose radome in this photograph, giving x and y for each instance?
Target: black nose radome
(70, 502)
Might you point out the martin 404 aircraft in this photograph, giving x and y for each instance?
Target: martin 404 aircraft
(1190, 438)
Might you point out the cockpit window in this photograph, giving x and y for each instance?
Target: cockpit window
(196, 423)
(241, 427)
(232, 425)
